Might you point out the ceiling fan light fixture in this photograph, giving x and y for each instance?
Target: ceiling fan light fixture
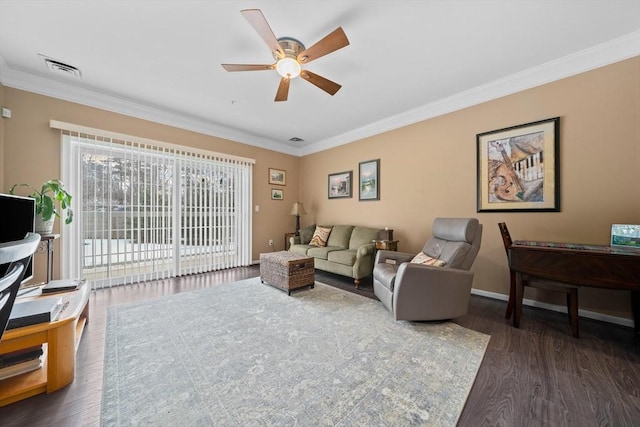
(288, 67)
(289, 55)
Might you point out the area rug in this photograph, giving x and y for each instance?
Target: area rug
(245, 353)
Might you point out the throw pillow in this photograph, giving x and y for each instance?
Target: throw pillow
(320, 237)
(425, 259)
(306, 233)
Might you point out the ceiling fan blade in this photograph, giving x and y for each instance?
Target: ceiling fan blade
(283, 90)
(325, 84)
(330, 43)
(247, 67)
(260, 24)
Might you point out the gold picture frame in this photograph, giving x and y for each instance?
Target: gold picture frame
(277, 176)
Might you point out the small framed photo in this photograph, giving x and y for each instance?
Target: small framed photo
(277, 176)
(340, 185)
(277, 194)
(518, 168)
(369, 180)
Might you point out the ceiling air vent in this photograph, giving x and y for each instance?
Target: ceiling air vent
(296, 139)
(58, 67)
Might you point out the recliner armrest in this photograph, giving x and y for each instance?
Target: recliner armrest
(399, 257)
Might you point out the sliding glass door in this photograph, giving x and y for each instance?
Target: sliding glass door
(147, 212)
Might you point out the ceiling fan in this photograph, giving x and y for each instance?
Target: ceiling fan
(290, 55)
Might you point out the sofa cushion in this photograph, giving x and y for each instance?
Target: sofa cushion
(425, 259)
(340, 235)
(321, 253)
(320, 236)
(346, 256)
(362, 236)
(306, 233)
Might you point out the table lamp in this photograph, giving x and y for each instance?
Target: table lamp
(297, 210)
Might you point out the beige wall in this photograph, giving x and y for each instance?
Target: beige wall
(429, 169)
(32, 155)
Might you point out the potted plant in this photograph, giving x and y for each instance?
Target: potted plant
(51, 200)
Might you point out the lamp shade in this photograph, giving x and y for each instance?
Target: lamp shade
(298, 209)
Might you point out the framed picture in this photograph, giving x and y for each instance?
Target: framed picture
(277, 194)
(277, 176)
(340, 185)
(369, 180)
(518, 168)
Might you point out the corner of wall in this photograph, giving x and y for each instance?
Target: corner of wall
(2, 139)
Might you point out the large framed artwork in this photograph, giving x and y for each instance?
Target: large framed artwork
(518, 168)
(369, 180)
(340, 185)
(277, 176)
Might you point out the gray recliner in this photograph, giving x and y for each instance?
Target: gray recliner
(423, 292)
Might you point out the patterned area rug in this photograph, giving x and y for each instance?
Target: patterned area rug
(245, 353)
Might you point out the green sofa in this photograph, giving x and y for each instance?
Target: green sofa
(350, 250)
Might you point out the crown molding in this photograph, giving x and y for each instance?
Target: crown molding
(616, 50)
(93, 98)
(591, 58)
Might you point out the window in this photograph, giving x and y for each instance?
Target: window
(147, 210)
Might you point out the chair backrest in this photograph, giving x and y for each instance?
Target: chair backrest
(17, 255)
(456, 241)
(506, 237)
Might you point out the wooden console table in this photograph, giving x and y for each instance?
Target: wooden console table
(594, 266)
(61, 338)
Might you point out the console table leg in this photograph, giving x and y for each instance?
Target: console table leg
(635, 309)
(517, 312)
(512, 294)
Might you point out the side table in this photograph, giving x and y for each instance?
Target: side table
(47, 243)
(287, 243)
(387, 245)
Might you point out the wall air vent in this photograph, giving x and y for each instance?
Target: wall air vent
(59, 67)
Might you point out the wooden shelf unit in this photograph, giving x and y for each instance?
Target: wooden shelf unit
(60, 338)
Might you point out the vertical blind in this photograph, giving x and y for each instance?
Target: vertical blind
(150, 210)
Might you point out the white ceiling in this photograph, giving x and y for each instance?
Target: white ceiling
(407, 61)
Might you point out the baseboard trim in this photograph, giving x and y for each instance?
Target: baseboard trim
(622, 321)
(558, 308)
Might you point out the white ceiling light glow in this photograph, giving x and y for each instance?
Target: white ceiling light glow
(288, 67)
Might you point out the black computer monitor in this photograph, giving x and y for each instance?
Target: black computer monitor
(17, 216)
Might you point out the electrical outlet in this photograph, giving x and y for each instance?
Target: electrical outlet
(270, 242)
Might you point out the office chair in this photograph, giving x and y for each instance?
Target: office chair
(17, 255)
(571, 291)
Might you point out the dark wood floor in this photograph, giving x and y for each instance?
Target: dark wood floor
(537, 375)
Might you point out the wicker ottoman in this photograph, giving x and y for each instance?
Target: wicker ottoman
(286, 270)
